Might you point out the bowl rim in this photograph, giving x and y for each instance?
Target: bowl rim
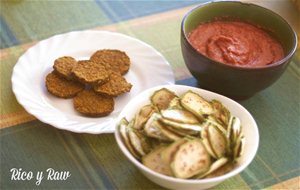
(277, 63)
(228, 175)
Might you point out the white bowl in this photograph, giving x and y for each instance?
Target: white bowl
(249, 129)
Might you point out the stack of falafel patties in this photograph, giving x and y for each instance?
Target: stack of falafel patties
(92, 83)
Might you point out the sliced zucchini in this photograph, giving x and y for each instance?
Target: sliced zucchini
(168, 154)
(214, 122)
(162, 98)
(222, 170)
(190, 159)
(145, 141)
(170, 134)
(154, 143)
(124, 134)
(140, 143)
(136, 142)
(154, 162)
(206, 142)
(242, 146)
(175, 104)
(217, 140)
(221, 113)
(131, 123)
(229, 131)
(142, 117)
(236, 128)
(238, 147)
(182, 132)
(153, 128)
(196, 104)
(215, 166)
(194, 127)
(123, 121)
(179, 115)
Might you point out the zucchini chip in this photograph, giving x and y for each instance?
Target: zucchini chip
(175, 104)
(221, 113)
(142, 117)
(206, 142)
(169, 133)
(123, 128)
(196, 104)
(215, 166)
(154, 162)
(217, 140)
(194, 127)
(190, 159)
(139, 142)
(168, 154)
(179, 115)
(222, 170)
(162, 98)
(182, 132)
(153, 128)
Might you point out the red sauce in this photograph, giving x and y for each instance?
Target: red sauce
(236, 43)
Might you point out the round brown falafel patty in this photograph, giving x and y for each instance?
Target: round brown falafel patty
(92, 104)
(114, 60)
(61, 87)
(89, 72)
(116, 85)
(63, 66)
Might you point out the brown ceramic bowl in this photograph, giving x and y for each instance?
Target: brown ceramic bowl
(235, 81)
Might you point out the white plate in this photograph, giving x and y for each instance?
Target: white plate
(148, 69)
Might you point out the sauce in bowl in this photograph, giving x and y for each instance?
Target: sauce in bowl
(236, 43)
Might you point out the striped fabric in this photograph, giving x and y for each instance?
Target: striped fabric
(95, 161)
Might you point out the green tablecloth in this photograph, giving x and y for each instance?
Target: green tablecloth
(95, 161)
